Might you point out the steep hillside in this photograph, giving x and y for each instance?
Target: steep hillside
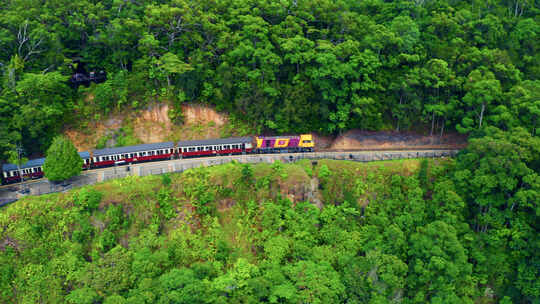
(318, 232)
(154, 124)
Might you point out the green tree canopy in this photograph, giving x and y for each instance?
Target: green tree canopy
(62, 161)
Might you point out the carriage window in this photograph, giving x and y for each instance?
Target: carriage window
(243, 146)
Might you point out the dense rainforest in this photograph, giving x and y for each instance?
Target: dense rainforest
(463, 230)
(286, 66)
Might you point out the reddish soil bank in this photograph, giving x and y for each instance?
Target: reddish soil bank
(356, 139)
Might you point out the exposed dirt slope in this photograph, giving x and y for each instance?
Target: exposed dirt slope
(154, 125)
(356, 139)
(201, 122)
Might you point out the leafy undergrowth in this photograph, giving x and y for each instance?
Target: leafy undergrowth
(244, 234)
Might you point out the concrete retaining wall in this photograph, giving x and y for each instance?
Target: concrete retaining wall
(179, 165)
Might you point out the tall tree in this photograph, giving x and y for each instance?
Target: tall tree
(62, 161)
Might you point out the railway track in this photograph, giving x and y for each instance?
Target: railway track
(344, 154)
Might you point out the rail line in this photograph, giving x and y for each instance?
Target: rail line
(356, 154)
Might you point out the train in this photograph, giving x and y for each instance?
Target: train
(99, 158)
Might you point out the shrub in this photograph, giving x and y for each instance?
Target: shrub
(88, 199)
